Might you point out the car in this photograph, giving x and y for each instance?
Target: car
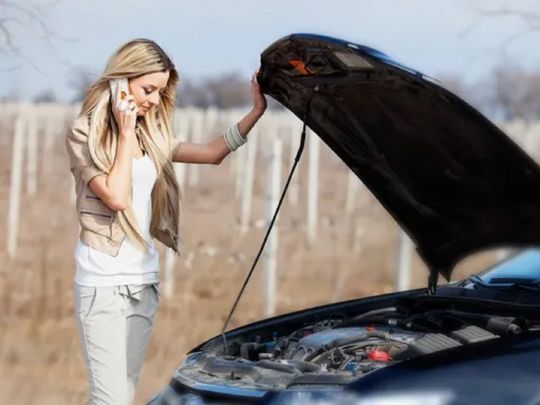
(457, 185)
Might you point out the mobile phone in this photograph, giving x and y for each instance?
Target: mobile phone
(119, 92)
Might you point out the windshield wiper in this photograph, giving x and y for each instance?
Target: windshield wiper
(505, 283)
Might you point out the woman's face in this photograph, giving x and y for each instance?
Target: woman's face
(146, 90)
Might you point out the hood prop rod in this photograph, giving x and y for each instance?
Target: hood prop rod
(432, 282)
(248, 277)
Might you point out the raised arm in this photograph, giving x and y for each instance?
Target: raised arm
(113, 189)
(215, 151)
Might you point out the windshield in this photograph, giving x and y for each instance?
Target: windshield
(524, 265)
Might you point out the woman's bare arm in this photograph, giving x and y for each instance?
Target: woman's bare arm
(113, 189)
(215, 151)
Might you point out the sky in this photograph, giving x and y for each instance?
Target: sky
(205, 38)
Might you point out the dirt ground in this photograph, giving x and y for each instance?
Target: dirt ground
(40, 358)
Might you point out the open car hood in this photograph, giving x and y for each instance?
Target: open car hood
(452, 180)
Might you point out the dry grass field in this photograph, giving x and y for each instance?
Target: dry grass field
(40, 358)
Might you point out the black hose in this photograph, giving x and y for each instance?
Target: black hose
(378, 311)
(376, 320)
(272, 365)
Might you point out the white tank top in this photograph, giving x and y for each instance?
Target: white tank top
(130, 266)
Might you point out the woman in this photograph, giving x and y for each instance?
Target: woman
(127, 195)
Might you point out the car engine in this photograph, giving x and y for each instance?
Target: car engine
(337, 351)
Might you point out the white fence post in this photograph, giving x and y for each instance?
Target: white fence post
(170, 261)
(294, 141)
(51, 128)
(240, 156)
(531, 140)
(180, 129)
(313, 186)
(31, 150)
(197, 116)
(182, 125)
(272, 199)
(247, 187)
(15, 187)
(403, 265)
(352, 189)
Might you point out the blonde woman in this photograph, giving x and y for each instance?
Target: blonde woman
(127, 195)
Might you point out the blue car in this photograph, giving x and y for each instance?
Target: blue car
(456, 184)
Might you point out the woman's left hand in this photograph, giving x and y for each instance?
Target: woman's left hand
(259, 101)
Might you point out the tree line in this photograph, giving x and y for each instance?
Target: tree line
(507, 92)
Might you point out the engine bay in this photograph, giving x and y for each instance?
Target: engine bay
(335, 351)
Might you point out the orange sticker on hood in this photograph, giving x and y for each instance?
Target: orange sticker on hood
(299, 65)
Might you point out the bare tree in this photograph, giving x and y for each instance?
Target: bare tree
(530, 20)
(13, 95)
(226, 90)
(192, 93)
(28, 16)
(229, 90)
(509, 91)
(515, 93)
(46, 96)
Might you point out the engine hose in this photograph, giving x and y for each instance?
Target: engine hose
(306, 367)
(378, 311)
(499, 325)
(376, 319)
(285, 368)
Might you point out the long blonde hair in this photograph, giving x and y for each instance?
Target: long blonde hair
(136, 58)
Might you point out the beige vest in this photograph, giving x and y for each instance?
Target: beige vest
(100, 226)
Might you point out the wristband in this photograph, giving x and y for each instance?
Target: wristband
(233, 139)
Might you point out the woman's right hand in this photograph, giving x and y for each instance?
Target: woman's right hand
(127, 119)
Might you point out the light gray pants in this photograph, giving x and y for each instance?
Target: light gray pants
(114, 326)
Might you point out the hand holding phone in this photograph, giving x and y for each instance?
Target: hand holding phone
(123, 105)
(119, 93)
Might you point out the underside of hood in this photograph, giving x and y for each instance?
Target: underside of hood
(452, 180)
